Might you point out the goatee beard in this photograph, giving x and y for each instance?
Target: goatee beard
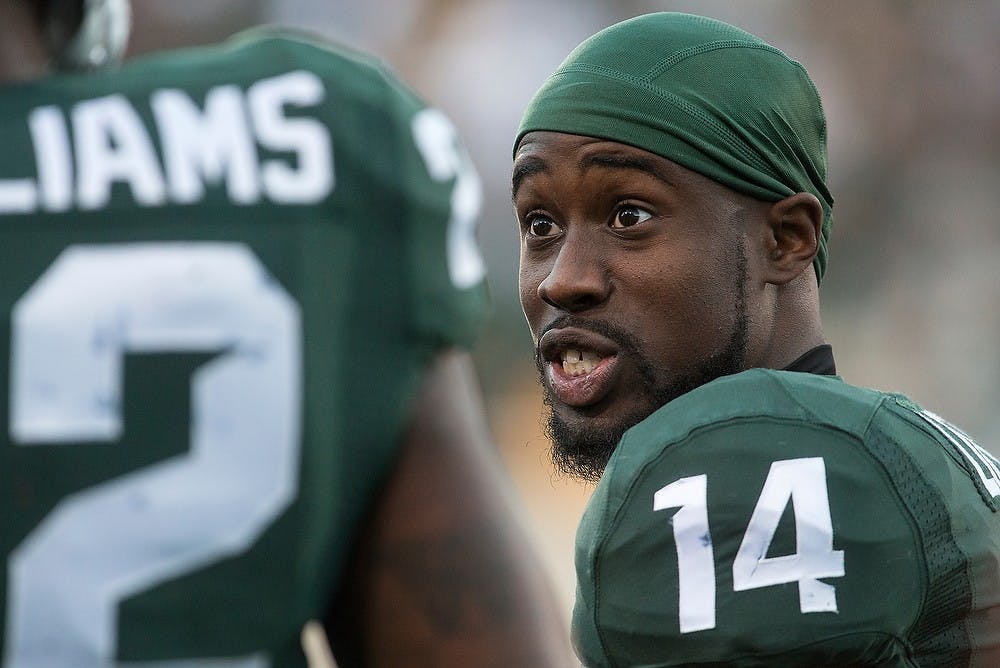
(583, 452)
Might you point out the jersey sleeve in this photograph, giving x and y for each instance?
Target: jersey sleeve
(754, 542)
(445, 271)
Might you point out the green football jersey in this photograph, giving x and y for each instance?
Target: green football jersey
(774, 518)
(225, 271)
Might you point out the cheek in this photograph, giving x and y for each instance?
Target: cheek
(528, 280)
(676, 289)
(684, 313)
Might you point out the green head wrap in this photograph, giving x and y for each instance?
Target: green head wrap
(702, 93)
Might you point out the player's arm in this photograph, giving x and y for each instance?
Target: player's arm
(445, 575)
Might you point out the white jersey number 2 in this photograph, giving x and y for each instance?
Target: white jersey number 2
(801, 482)
(99, 546)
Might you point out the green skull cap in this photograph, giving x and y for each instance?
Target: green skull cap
(702, 93)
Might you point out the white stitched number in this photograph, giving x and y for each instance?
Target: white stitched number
(445, 159)
(101, 545)
(695, 560)
(985, 465)
(801, 482)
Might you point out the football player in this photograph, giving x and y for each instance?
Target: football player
(238, 287)
(753, 508)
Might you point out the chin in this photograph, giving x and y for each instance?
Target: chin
(583, 440)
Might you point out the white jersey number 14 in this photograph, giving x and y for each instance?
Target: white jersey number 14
(801, 482)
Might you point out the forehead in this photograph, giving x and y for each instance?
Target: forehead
(550, 153)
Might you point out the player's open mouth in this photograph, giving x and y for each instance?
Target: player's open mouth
(581, 378)
(579, 362)
(581, 365)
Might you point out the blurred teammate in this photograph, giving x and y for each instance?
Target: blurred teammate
(753, 509)
(236, 284)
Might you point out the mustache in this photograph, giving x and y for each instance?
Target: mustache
(628, 344)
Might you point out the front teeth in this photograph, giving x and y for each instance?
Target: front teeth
(578, 363)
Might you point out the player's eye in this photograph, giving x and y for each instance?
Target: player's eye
(629, 215)
(542, 227)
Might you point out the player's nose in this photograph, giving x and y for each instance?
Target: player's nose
(578, 278)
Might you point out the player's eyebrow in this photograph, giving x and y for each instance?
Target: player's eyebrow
(525, 167)
(622, 161)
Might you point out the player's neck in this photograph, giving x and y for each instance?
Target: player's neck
(796, 328)
(23, 54)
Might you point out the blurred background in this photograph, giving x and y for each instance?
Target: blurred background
(911, 298)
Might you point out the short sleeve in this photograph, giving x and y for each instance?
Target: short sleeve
(752, 542)
(445, 273)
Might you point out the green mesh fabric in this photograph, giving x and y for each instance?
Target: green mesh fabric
(702, 93)
(940, 634)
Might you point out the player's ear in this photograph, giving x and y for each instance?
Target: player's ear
(794, 225)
